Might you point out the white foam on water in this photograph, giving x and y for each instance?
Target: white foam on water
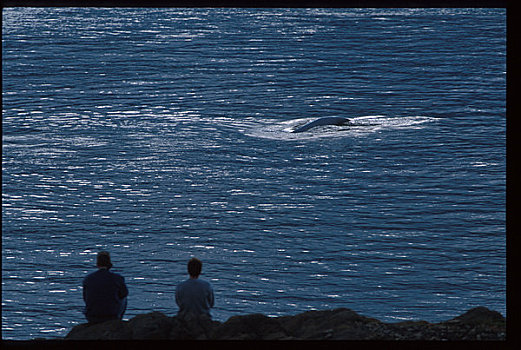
(363, 125)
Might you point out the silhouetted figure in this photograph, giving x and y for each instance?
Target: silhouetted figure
(194, 296)
(104, 292)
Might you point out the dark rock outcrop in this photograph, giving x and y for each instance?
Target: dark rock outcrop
(198, 328)
(480, 315)
(250, 327)
(329, 324)
(339, 324)
(154, 325)
(109, 330)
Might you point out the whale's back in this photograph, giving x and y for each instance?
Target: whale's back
(322, 121)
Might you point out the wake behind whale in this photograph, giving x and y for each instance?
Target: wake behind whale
(323, 121)
(327, 127)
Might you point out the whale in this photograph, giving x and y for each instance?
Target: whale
(323, 121)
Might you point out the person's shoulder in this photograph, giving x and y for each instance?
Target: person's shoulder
(116, 275)
(182, 284)
(90, 275)
(204, 282)
(185, 282)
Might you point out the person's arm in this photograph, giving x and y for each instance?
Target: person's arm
(123, 291)
(177, 296)
(211, 297)
(84, 291)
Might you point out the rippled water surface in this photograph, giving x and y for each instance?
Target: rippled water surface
(161, 134)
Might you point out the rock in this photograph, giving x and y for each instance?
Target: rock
(154, 325)
(192, 327)
(250, 327)
(408, 330)
(108, 330)
(477, 323)
(480, 315)
(338, 324)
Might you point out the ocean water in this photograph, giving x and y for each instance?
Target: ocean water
(162, 134)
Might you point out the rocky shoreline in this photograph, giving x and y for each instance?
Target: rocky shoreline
(338, 324)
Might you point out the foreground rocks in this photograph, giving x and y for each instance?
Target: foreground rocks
(339, 324)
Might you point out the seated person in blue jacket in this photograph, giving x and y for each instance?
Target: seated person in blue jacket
(104, 292)
(194, 296)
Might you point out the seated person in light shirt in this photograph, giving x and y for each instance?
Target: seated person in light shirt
(194, 296)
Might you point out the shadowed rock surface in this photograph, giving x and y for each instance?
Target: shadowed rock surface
(250, 327)
(154, 325)
(339, 324)
(109, 330)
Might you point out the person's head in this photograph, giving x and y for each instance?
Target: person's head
(103, 260)
(194, 267)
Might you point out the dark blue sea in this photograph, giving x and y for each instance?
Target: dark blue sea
(162, 134)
